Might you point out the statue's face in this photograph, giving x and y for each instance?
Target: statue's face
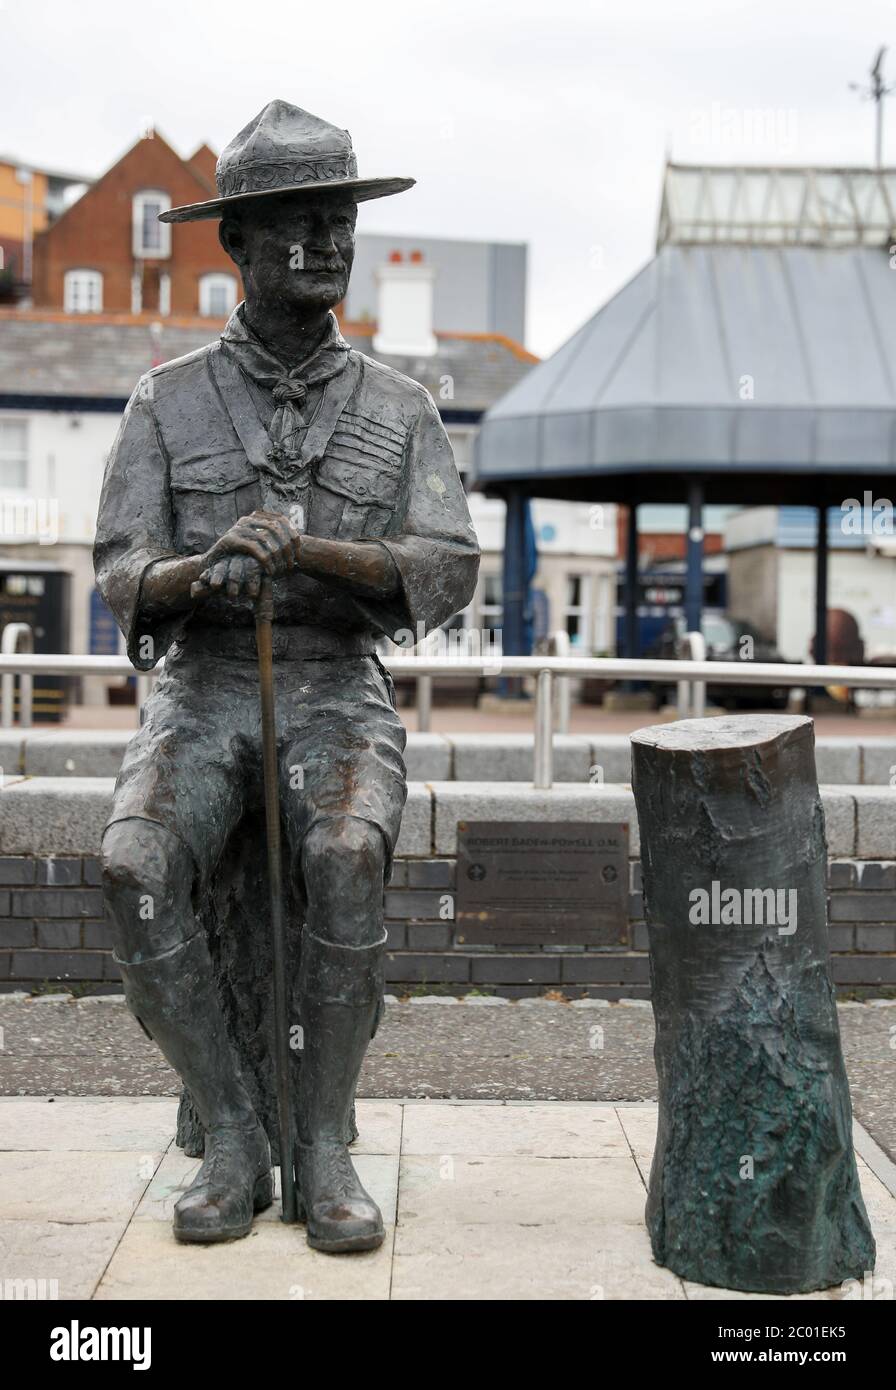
(296, 249)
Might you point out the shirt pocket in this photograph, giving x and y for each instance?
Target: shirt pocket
(355, 499)
(210, 493)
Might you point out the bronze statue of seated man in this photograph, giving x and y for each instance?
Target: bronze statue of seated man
(275, 451)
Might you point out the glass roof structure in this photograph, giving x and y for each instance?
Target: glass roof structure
(777, 206)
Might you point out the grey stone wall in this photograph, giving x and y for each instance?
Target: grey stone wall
(869, 760)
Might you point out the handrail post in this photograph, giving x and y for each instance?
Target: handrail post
(14, 634)
(697, 652)
(543, 759)
(424, 704)
(559, 646)
(691, 702)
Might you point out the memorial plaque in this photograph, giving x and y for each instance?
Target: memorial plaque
(538, 882)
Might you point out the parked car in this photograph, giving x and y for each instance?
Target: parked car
(727, 639)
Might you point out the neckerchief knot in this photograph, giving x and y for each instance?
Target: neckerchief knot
(290, 459)
(289, 391)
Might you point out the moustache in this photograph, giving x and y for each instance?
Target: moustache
(314, 267)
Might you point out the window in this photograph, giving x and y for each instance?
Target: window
(576, 612)
(217, 295)
(83, 292)
(13, 453)
(151, 237)
(492, 607)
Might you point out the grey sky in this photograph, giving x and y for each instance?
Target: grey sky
(523, 121)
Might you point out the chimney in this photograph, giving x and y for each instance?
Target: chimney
(404, 310)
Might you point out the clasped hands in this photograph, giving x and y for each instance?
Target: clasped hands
(259, 545)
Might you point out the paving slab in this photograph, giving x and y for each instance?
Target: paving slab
(495, 757)
(520, 1190)
(67, 1186)
(875, 821)
(519, 801)
(556, 1131)
(54, 815)
(428, 757)
(90, 1124)
(75, 753)
(273, 1262)
(58, 1259)
(528, 1261)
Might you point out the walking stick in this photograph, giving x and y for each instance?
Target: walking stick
(264, 617)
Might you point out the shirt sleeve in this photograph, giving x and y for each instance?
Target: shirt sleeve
(135, 528)
(435, 552)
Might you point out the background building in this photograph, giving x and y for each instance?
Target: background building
(109, 253)
(30, 200)
(480, 286)
(771, 577)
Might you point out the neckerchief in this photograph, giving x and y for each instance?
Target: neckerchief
(288, 430)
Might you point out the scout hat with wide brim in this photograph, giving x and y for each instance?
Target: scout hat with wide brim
(286, 150)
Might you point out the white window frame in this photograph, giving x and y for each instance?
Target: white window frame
(491, 614)
(8, 454)
(580, 610)
(208, 284)
(74, 284)
(143, 252)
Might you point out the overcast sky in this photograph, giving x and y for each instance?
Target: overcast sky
(544, 121)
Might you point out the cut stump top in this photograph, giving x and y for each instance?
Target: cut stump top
(716, 735)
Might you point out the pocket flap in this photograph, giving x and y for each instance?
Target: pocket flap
(361, 482)
(212, 473)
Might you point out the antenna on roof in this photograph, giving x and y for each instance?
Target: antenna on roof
(876, 90)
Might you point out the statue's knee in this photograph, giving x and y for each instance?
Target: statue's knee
(346, 854)
(147, 882)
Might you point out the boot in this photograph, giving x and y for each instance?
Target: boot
(340, 993)
(234, 1182)
(174, 999)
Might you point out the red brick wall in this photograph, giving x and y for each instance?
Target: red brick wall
(204, 162)
(96, 234)
(656, 546)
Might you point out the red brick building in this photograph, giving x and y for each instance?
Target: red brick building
(110, 254)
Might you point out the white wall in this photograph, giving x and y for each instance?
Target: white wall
(577, 528)
(66, 456)
(861, 582)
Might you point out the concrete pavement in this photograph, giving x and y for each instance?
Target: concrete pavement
(482, 1201)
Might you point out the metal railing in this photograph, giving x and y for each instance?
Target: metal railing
(692, 694)
(16, 637)
(545, 670)
(559, 645)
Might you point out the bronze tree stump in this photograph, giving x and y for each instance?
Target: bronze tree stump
(754, 1183)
